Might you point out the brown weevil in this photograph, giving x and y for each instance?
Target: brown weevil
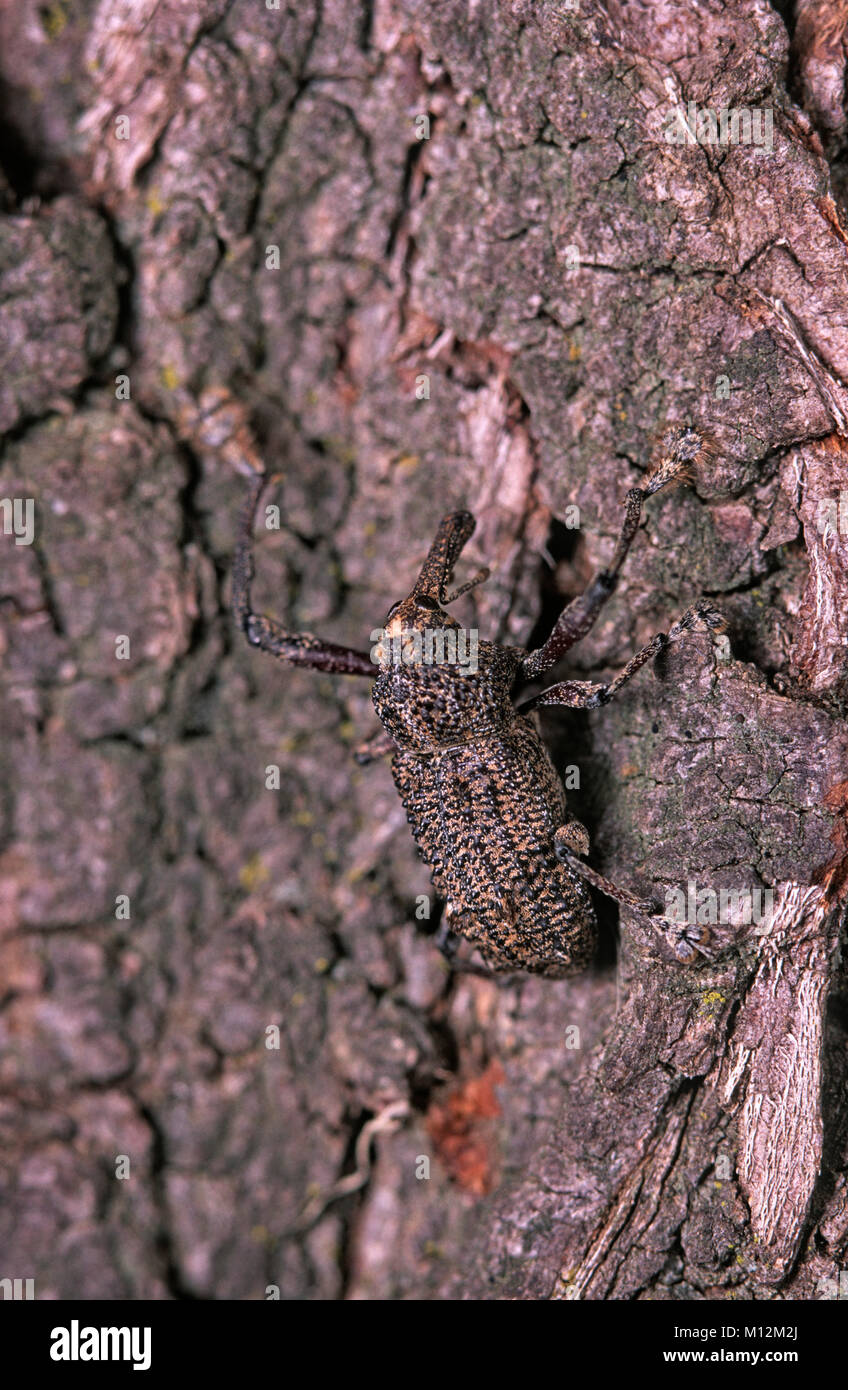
(486, 806)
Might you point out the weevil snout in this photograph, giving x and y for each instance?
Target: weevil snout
(455, 530)
(425, 605)
(424, 608)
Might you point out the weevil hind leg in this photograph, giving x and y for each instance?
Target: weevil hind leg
(571, 837)
(648, 907)
(684, 944)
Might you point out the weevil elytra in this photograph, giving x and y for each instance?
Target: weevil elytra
(486, 806)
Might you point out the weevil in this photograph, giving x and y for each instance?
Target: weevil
(486, 806)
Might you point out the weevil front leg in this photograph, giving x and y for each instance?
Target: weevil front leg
(701, 617)
(683, 448)
(295, 648)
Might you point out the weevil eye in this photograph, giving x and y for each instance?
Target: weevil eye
(426, 602)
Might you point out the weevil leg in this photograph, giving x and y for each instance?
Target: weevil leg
(685, 942)
(378, 746)
(701, 617)
(683, 447)
(448, 941)
(572, 836)
(649, 907)
(296, 648)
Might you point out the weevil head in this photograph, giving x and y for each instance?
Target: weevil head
(408, 619)
(424, 608)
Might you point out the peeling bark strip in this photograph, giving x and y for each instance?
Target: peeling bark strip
(415, 257)
(631, 1216)
(819, 475)
(774, 1067)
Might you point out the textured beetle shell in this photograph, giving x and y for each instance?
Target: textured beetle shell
(484, 801)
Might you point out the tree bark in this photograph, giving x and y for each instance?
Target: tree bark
(417, 256)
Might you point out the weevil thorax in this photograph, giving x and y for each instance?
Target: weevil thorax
(438, 683)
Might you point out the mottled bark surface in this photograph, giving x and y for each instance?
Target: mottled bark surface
(226, 202)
